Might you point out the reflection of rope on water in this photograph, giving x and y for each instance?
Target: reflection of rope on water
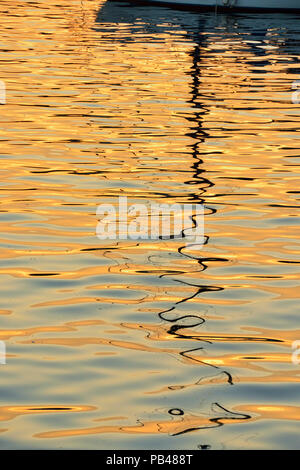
(217, 422)
(196, 321)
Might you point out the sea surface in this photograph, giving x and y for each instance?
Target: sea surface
(133, 344)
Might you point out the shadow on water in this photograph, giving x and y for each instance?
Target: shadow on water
(153, 20)
(161, 105)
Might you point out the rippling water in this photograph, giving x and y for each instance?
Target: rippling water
(133, 345)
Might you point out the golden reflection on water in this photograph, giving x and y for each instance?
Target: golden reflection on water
(10, 412)
(190, 423)
(104, 100)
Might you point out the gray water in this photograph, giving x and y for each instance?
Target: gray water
(131, 344)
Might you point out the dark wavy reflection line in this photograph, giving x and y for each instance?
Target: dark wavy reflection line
(200, 361)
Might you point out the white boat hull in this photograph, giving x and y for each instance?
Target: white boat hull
(274, 5)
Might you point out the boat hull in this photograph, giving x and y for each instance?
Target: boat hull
(263, 5)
